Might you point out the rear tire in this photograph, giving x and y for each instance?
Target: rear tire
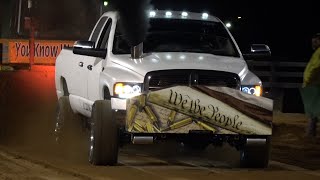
(65, 125)
(255, 156)
(104, 138)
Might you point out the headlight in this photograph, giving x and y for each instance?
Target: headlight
(253, 90)
(127, 90)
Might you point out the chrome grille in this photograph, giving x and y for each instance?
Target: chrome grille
(166, 78)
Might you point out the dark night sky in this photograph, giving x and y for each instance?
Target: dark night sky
(286, 26)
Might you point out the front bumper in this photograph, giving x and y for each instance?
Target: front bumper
(118, 104)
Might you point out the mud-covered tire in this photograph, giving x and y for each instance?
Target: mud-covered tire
(65, 121)
(104, 138)
(255, 156)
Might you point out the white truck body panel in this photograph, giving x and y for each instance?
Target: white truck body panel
(173, 60)
(86, 86)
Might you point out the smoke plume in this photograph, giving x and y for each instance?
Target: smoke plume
(134, 21)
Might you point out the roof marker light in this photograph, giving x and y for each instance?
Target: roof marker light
(205, 15)
(152, 14)
(228, 24)
(184, 14)
(168, 14)
(182, 57)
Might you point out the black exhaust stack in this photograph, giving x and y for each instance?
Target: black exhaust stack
(134, 22)
(137, 51)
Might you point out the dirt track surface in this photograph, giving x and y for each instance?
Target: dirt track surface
(27, 151)
(133, 165)
(290, 145)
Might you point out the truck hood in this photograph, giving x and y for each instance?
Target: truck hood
(167, 61)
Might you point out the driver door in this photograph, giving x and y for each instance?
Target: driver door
(89, 65)
(98, 64)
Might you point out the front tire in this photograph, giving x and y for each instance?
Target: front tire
(104, 139)
(255, 156)
(65, 124)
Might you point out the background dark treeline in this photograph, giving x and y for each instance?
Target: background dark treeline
(286, 27)
(57, 19)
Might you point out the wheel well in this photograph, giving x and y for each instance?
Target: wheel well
(64, 87)
(106, 93)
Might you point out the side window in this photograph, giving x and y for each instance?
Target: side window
(103, 40)
(97, 30)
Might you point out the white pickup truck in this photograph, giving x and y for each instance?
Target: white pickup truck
(118, 89)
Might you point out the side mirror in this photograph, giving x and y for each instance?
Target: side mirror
(84, 44)
(87, 48)
(258, 51)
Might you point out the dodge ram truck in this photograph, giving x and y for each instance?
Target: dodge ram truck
(186, 81)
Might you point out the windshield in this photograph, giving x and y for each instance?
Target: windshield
(180, 35)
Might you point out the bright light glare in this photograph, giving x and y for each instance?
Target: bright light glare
(127, 91)
(184, 14)
(152, 14)
(228, 25)
(168, 57)
(239, 17)
(258, 91)
(118, 89)
(168, 14)
(105, 3)
(205, 15)
(182, 57)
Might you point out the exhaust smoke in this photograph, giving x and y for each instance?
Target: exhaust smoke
(134, 22)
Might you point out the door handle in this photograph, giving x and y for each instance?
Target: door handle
(89, 67)
(81, 64)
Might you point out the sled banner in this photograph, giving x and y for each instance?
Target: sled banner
(45, 51)
(181, 109)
